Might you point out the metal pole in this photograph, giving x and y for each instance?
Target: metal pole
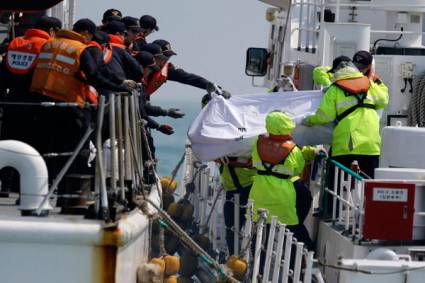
(309, 23)
(65, 169)
(120, 148)
(262, 218)
(127, 147)
(236, 228)
(279, 252)
(112, 140)
(287, 257)
(247, 229)
(335, 189)
(347, 208)
(341, 195)
(100, 162)
(269, 251)
(300, 32)
(298, 261)
(308, 267)
(337, 12)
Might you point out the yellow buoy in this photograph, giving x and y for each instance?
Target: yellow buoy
(168, 186)
(172, 265)
(238, 267)
(171, 279)
(160, 262)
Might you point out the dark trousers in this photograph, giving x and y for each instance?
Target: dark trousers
(229, 214)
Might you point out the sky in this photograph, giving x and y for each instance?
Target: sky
(210, 37)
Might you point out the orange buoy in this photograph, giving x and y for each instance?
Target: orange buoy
(238, 267)
(160, 262)
(175, 210)
(171, 279)
(172, 264)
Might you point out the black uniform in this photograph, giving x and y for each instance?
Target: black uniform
(181, 76)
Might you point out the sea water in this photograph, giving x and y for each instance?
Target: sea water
(169, 149)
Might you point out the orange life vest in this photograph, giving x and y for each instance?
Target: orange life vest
(57, 70)
(354, 86)
(23, 51)
(274, 149)
(106, 51)
(157, 80)
(116, 40)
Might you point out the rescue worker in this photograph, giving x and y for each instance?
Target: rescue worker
(236, 177)
(277, 186)
(57, 78)
(116, 31)
(147, 61)
(323, 75)
(16, 75)
(122, 66)
(148, 25)
(363, 60)
(133, 32)
(110, 15)
(351, 103)
(169, 72)
(15, 79)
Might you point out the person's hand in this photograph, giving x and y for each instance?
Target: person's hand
(226, 94)
(321, 152)
(174, 113)
(166, 129)
(129, 85)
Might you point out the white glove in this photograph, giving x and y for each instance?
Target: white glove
(130, 85)
(320, 151)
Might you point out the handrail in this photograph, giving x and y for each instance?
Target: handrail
(347, 170)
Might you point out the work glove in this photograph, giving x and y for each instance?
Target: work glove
(129, 85)
(214, 88)
(174, 113)
(166, 129)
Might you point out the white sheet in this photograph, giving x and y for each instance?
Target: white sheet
(229, 127)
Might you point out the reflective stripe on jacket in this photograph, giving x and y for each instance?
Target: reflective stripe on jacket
(23, 51)
(358, 133)
(57, 71)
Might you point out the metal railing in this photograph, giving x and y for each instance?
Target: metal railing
(286, 259)
(121, 163)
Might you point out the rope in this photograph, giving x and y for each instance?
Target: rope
(152, 167)
(191, 243)
(416, 111)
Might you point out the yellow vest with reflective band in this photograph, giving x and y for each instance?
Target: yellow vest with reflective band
(57, 71)
(278, 195)
(358, 133)
(244, 175)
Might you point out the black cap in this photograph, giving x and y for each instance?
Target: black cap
(337, 61)
(84, 25)
(148, 22)
(146, 59)
(101, 37)
(132, 23)
(362, 59)
(112, 15)
(165, 47)
(46, 23)
(155, 50)
(115, 27)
